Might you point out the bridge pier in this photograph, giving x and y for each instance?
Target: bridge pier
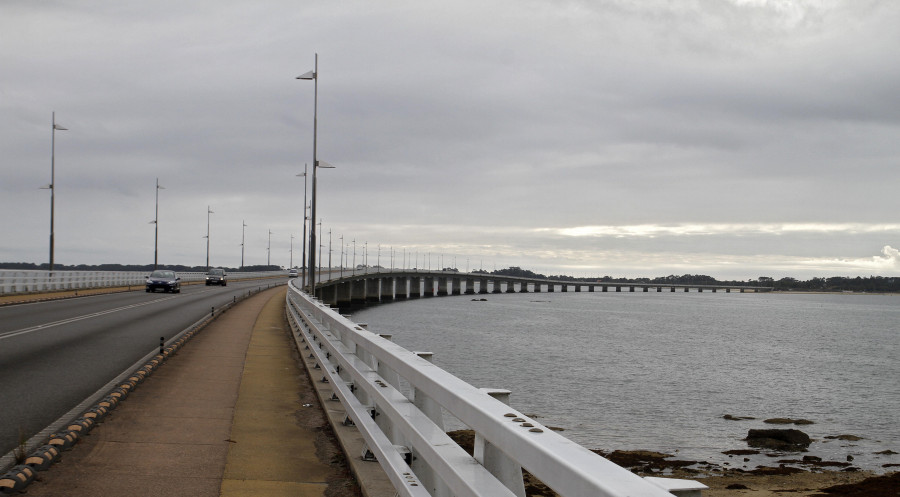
(344, 297)
(372, 292)
(564, 287)
(590, 288)
(577, 288)
(551, 287)
(686, 289)
(456, 283)
(387, 289)
(496, 287)
(415, 287)
(510, 287)
(401, 288)
(646, 289)
(442, 286)
(604, 288)
(537, 287)
(358, 293)
(470, 286)
(523, 287)
(428, 291)
(482, 285)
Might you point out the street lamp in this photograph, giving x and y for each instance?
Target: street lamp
(243, 229)
(305, 175)
(156, 227)
(52, 185)
(314, 75)
(208, 212)
(269, 250)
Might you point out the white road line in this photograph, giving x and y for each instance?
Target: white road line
(10, 334)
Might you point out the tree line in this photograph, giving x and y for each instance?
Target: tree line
(877, 284)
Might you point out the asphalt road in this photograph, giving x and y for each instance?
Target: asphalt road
(53, 355)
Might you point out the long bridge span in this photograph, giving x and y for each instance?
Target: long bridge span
(348, 289)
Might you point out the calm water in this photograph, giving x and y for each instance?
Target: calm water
(658, 371)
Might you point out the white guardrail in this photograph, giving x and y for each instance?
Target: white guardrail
(405, 431)
(14, 281)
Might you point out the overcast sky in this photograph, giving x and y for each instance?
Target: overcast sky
(734, 138)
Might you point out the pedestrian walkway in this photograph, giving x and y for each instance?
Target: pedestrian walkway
(230, 414)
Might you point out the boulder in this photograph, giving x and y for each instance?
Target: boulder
(789, 439)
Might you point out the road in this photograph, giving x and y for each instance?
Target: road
(53, 355)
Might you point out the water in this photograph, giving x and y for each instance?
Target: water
(658, 371)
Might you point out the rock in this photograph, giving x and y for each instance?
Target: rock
(737, 486)
(778, 439)
(736, 418)
(788, 421)
(849, 438)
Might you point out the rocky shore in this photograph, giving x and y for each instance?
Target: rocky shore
(791, 473)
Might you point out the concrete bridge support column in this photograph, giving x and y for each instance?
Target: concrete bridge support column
(523, 287)
(646, 289)
(551, 287)
(387, 289)
(714, 290)
(605, 288)
(742, 290)
(686, 289)
(329, 295)
(564, 287)
(358, 293)
(415, 287)
(344, 294)
(429, 287)
(510, 287)
(577, 288)
(618, 288)
(456, 283)
(700, 290)
(372, 291)
(673, 289)
(442, 286)
(401, 288)
(658, 289)
(631, 289)
(537, 287)
(482, 285)
(497, 286)
(591, 288)
(470, 286)
(728, 290)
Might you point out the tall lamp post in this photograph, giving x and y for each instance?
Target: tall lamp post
(208, 212)
(156, 227)
(314, 75)
(303, 280)
(243, 228)
(52, 185)
(269, 250)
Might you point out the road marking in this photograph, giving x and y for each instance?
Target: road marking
(10, 334)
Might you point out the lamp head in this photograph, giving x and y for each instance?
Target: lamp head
(307, 75)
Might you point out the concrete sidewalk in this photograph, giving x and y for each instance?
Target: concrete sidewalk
(230, 414)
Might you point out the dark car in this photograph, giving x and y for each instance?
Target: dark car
(216, 276)
(165, 280)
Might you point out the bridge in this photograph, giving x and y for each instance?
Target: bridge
(359, 287)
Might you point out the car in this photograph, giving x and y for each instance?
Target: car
(216, 276)
(293, 273)
(165, 280)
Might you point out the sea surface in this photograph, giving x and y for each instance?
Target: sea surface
(658, 371)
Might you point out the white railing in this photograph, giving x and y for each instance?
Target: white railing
(405, 431)
(14, 281)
